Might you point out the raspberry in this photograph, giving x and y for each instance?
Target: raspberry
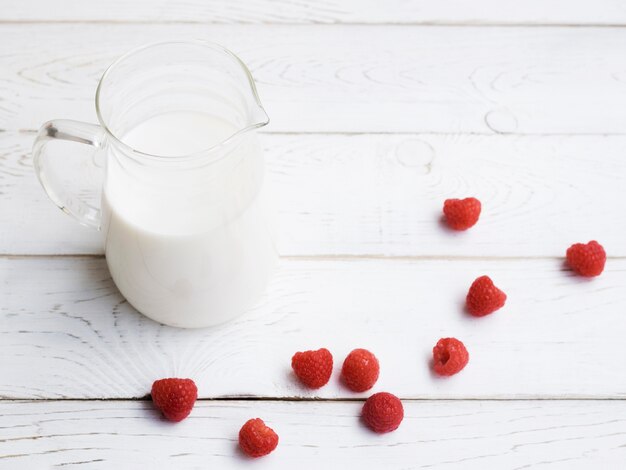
(360, 370)
(174, 397)
(484, 297)
(461, 214)
(313, 368)
(587, 260)
(256, 439)
(383, 412)
(449, 356)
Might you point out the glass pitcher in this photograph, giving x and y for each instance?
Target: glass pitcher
(183, 215)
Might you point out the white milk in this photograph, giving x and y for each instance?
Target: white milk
(178, 133)
(191, 245)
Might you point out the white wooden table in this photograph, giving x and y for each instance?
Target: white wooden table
(380, 111)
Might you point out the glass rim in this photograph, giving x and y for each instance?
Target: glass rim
(194, 155)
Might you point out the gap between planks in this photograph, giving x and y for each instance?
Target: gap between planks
(322, 400)
(326, 257)
(433, 24)
(411, 133)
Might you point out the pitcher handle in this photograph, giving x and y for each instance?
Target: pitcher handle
(74, 131)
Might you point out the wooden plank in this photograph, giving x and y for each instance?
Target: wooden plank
(66, 332)
(29, 221)
(577, 435)
(382, 195)
(328, 11)
(368, 79)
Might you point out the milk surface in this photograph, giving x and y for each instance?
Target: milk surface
(178, 133)
(187, 245)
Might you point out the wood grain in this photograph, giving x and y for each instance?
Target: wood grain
(577, 435)
(67, 333)
(374, 122)
(326, 11)
(381, 195)
(351, 78)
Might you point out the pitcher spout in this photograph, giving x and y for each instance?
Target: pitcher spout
(258, 118)
(255, 116)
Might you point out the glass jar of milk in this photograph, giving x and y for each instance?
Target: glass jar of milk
(183, 212)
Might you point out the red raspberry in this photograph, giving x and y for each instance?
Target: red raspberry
(449, 356)
(461, 214)
(313, 368)
(360, 370)
(587, 260)
(484, 297)
(174, 397)
(383, 412)
(256, 439)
